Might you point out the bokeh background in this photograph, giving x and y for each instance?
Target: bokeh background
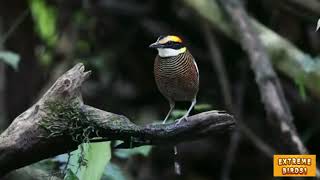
(39, 40)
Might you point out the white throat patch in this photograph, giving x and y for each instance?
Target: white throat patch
(168, 52)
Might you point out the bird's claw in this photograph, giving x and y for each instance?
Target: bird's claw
(183, 118)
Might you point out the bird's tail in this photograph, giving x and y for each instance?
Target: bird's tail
(177, 167)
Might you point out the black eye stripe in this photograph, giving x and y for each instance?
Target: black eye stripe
(173, 45)
(160, 37)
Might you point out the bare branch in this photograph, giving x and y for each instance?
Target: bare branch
(219, 67)
(235, 108)
(284, 55)
(270, 88)
(278, 111)
(312, 6)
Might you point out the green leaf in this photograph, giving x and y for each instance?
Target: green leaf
(47, 165)
(91, 161)
(73, 164)
(202, 107)
(302, 91)
(126, 153)
(45, 56)
(114, 172)
(45, 17)
(301, 85)
(178, 113)
(98, 156)
(10, 58)
(70, 176)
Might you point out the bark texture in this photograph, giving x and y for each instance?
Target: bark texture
(60, 121)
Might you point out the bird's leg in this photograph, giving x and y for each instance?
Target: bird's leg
(172, 103)
(194, 101)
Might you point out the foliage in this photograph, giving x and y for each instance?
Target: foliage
(114, 172)
(10, 58)
(70, 175)
(98, 156)
(48, 165)
(65, 118)
(45, 17)
(127, 153)
(301, 85)
(90, 160)
(44, 55)
(203, 107)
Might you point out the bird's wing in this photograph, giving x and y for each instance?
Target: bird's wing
(195, 64)
(318, 25)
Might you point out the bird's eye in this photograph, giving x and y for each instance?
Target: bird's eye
(174, 45)
(170, 43)
(159, 38)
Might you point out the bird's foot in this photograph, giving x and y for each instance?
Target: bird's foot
(183, 118)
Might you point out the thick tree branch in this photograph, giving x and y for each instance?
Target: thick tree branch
(235, 107)
(278, 111)
(284, 55)
(312, 6)
(59, 122)
(3, 122)
(253, 36)
(270, 88)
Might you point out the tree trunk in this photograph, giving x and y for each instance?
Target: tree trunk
(22, 41)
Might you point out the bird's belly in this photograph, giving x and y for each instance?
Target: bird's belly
(177, 78)
(178, 86)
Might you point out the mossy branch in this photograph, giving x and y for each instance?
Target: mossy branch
(60, 121)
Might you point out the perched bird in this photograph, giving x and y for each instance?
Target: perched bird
(176, 72)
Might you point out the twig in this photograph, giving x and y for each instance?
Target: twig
(14, 26)
(126, 8)
(260, 144)
(218, 65)
(286, 57)
(292, 61)
(310, 5)
(3, 124)
(278, 111)
(267, 80)
(60, 121)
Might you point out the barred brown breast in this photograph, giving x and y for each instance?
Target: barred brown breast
(177, 77)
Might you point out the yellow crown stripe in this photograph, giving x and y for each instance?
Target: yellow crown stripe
(170, 38)
(175, 39)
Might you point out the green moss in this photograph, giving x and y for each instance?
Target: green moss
(67, 119)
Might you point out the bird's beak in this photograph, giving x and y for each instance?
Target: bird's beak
(155, 45)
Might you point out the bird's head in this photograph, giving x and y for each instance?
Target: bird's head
(169, 46)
